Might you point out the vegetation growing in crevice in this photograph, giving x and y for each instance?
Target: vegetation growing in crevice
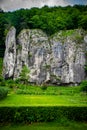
(47, 66)
(19, 47)
(24, 75)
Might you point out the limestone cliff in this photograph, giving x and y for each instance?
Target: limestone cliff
(58, 59)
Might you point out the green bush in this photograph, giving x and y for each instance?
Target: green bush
(44, 86)
(42, 114)
(3, 92)
(1, 78)
(10, 83)
(2, 81)
(84, 86)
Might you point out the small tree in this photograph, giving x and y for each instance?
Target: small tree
(24, 75)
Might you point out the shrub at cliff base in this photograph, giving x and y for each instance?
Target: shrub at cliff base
(3, 92)
(84, 86)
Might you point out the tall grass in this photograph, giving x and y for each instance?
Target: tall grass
(51, 90)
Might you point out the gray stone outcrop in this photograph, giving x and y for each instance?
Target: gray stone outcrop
(58, 59)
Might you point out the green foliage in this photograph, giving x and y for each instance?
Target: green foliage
(1, 64)
(67, 33)
(84, 86)
(49, 19)
(2, 27)
(3, 92)
(79, 39)
(42, 114)
(10, 83)
(44, 86)
(2, 80)
(47, 66)
(24, 75)
(85, 67)
(19, 47)
(49, 90)
(83, 20)
(2, 49)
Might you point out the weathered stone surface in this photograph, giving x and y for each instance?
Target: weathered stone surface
(23, 45)
(10, 54)
(59, 59)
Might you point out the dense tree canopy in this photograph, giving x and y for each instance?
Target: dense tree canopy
(49, 19)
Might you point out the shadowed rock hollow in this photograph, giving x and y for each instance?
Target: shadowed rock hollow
(58, 59)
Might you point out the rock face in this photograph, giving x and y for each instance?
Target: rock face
(59, 59)
(10, 54)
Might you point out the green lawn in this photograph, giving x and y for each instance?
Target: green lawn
(48, 126)
(44, 100)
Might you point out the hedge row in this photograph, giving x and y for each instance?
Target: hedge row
(41, 114)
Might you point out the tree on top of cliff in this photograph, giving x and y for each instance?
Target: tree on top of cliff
(49, 19)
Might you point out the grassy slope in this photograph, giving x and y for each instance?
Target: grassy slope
(48, 126)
